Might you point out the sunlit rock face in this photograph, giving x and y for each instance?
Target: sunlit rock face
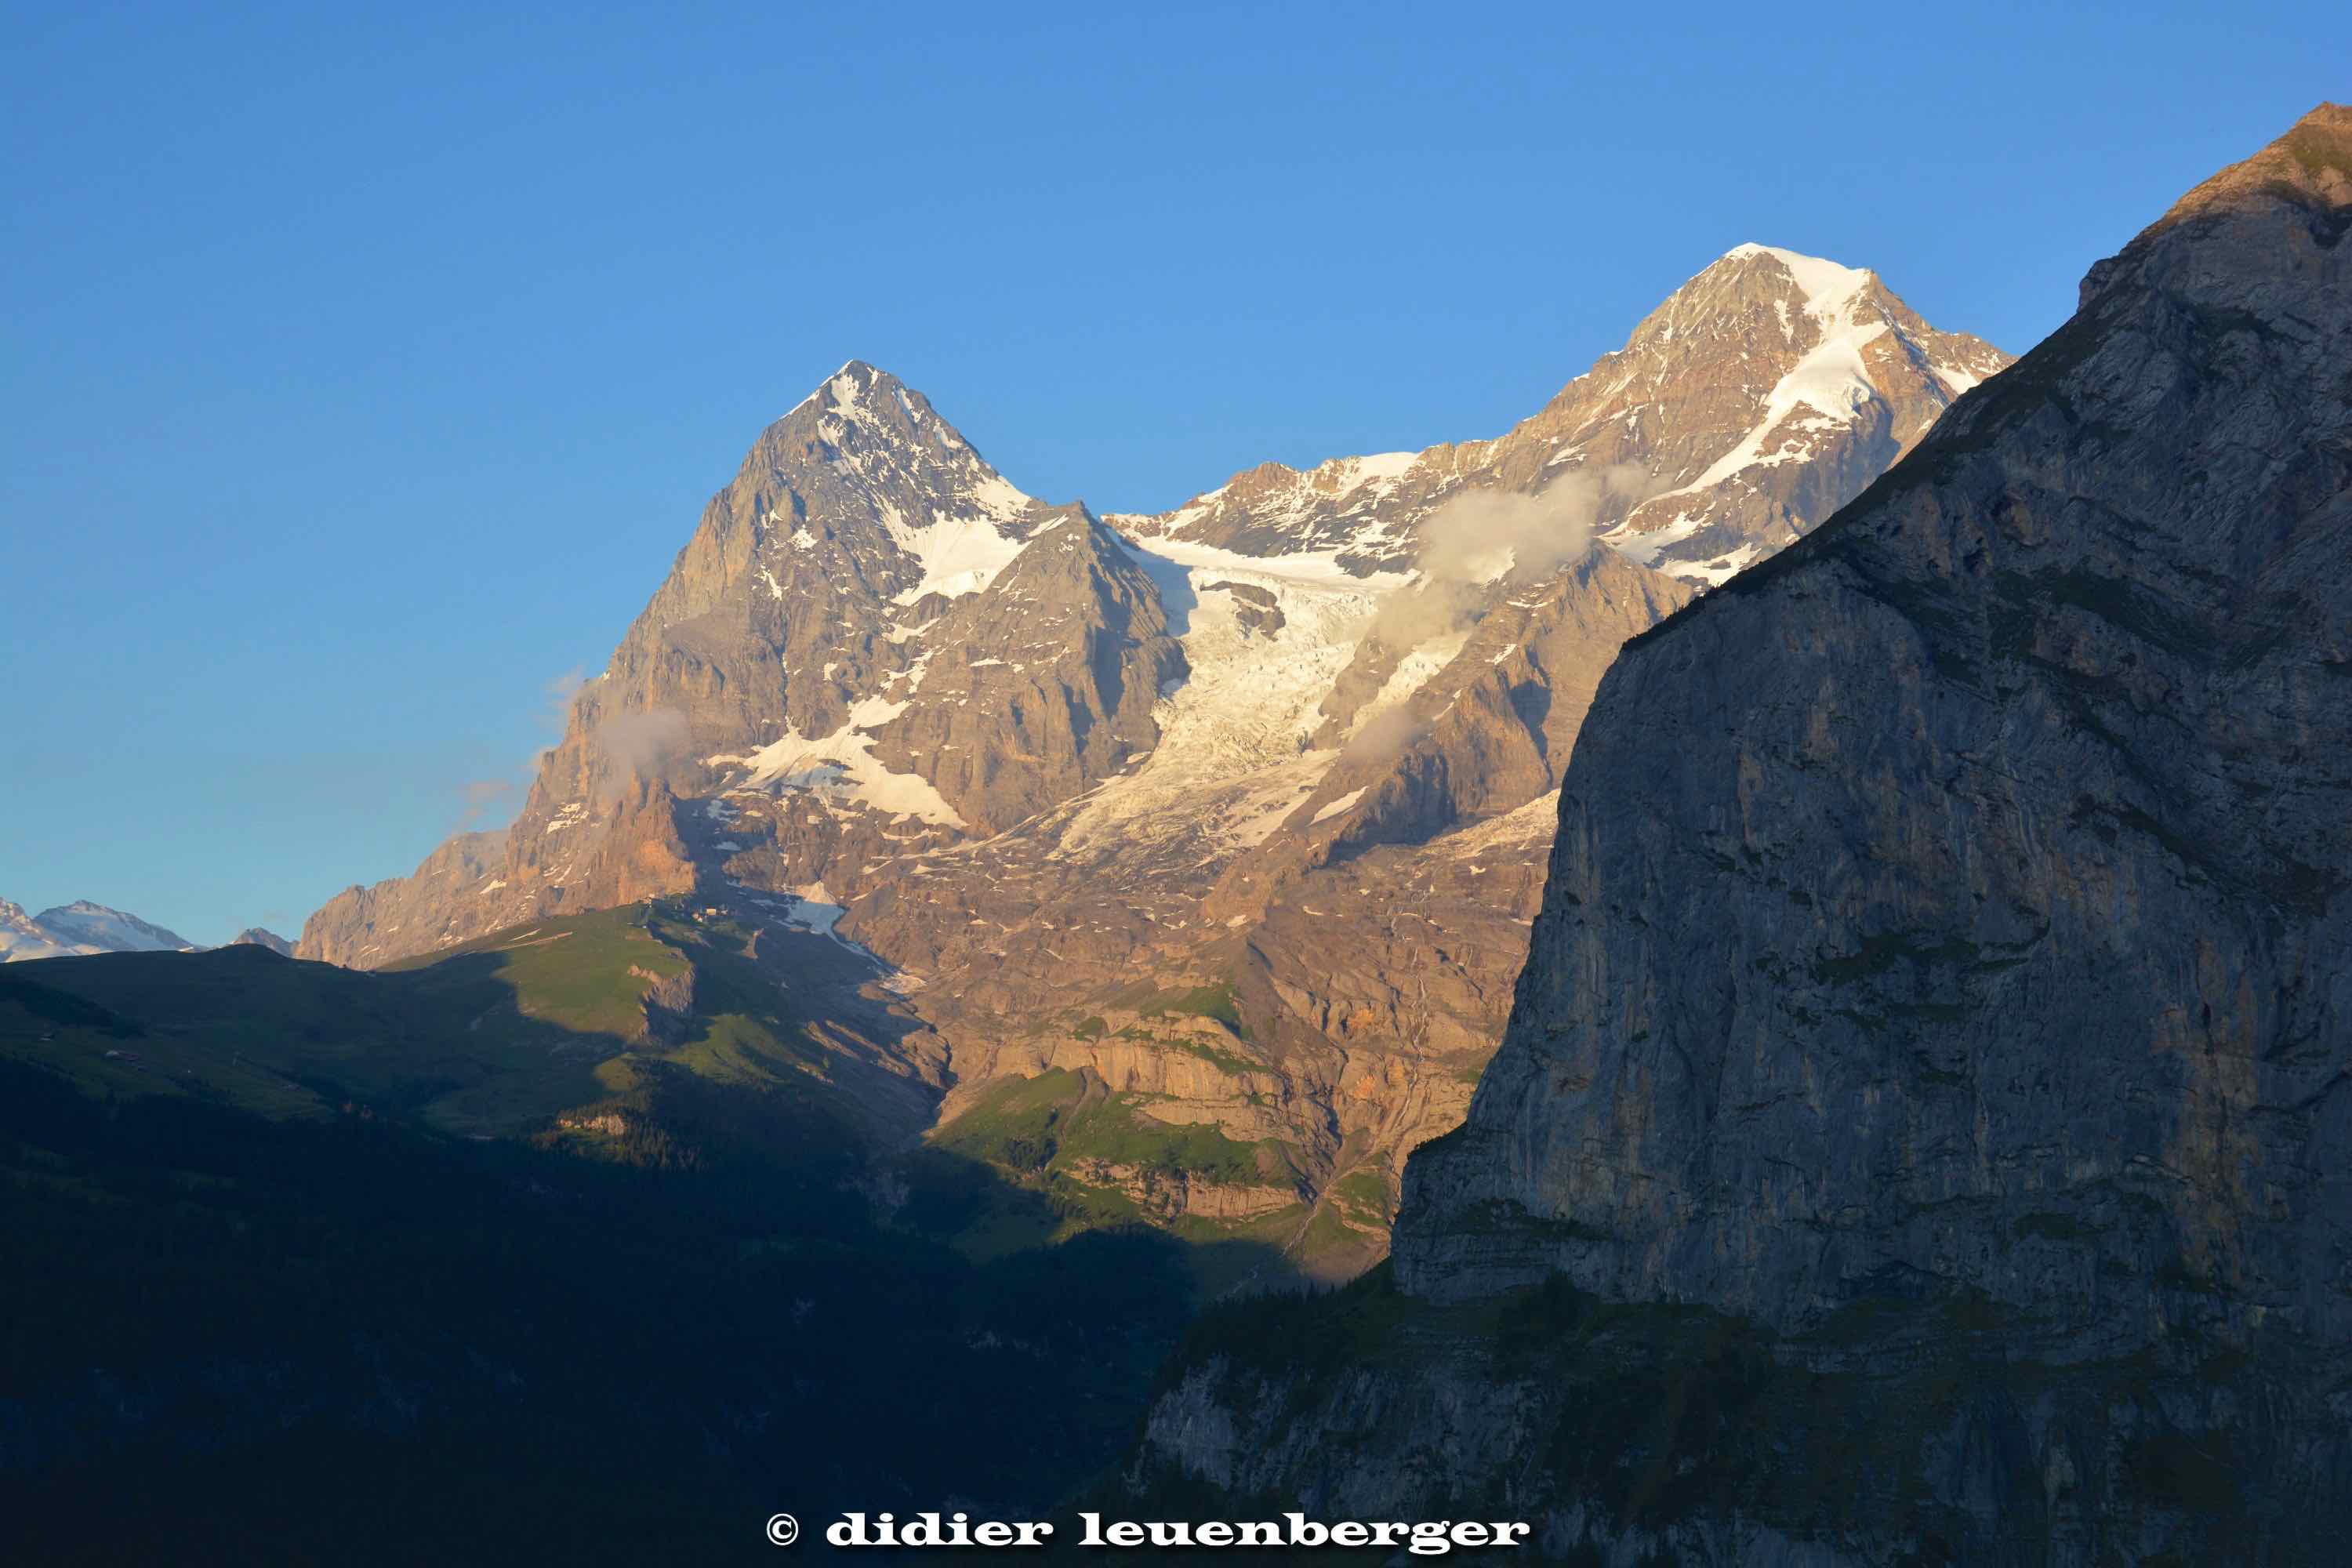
(1289, 751)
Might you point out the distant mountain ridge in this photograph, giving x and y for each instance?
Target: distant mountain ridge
(1749, 403)
(80, 928)
(257, 936)
(1234, 816)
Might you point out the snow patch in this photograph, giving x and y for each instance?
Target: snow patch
(963, 550)
(1955, 379)
(1338, 805)
(812, 909)
(842, 767)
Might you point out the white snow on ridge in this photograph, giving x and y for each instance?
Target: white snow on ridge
(1824, 390)
(1956, 380)
(961, 551)
(812, 908)
(1321, 566)
(830, 383)
(79, 929)
(1413, 672)
(21, 937)
(1349, 474)
(1361, 481)
(1829, 287)
(1338, 805)
(1713, 574)
(1642, 548)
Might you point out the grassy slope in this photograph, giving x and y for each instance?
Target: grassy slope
(493, 1038)
(1005, 1175)
(521, 1031)
(1040, 1134)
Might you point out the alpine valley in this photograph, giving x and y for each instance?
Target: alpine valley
(957, 937)
(1176, 866)
(1754, 971)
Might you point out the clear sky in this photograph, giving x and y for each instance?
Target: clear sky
(365, 368)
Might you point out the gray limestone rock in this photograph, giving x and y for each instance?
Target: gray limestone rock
(1920, 1136)
(1958, 898)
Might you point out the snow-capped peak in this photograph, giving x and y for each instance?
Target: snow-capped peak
(80, 927)
(842, 391)
(1829, 289)
(880, 448)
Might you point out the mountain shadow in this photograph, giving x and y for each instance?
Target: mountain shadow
(307, 1264)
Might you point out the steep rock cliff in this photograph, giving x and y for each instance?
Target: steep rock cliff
(1959, 897)
(1919, 1135)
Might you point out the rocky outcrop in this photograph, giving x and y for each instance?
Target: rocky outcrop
(1042, 686)
(258, 936)
(1918, 1133)
(400, 915)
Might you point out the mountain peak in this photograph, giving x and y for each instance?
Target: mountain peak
(80, 927)
(2304, 178)
(262, 937)
(1751, 276)
(846, 390)
(2309, 167)
(110, 929)
(1826, 284)
(1750, 279)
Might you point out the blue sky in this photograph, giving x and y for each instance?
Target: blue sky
(365, 368)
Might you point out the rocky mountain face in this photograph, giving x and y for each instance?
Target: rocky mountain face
(1760, 397)
(1237, 813)
(80, 927)
(1937, 1028)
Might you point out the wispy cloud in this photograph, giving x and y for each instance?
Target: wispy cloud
(480, 796)
(561, 692)
(1483, 534)
(1470, 540)
(637, 746)
(488, 800)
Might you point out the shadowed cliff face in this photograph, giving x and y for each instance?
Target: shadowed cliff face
(1240, 810)
(1960, 898)
(1920, 1136)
